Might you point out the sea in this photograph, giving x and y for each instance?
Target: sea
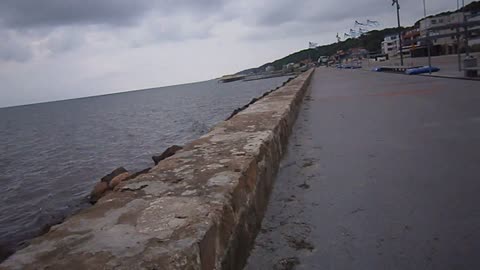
(52, 154)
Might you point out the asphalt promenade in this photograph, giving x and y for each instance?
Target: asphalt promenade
(382, 172)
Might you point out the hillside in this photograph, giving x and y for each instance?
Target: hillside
(370, 41)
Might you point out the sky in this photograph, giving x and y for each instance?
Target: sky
(61, 49)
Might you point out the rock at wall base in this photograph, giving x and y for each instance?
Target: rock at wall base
(109, 177)
(135, 175)
(168, 153)
(108, 183)
(118, 179)
(98, 191)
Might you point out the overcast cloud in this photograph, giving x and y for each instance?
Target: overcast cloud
(58, 49)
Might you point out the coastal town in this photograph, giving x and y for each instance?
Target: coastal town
(447, 43)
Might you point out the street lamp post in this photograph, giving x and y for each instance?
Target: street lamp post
(467, 53)
(428, 38)
(399, 30)
(458, 40)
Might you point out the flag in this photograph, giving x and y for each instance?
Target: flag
(373, 23)
(359, 23)
(395, 2)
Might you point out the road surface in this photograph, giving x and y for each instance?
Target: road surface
(382, 172)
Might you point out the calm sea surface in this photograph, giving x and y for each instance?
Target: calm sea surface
(52, 154)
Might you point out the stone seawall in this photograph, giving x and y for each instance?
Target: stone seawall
(199, 209)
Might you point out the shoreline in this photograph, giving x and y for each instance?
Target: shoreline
(169, 168)
(8, 249)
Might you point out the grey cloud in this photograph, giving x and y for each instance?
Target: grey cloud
(49, 22)
(179, 29)
(199, 7)
(14, 52)
(13, 49)
(21, 46)
(63, 40)
(53, 13)
(173, 33)
(326, 11)
(279, 12)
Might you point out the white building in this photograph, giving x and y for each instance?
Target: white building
(391, 45)
(270, 69)
(447, 44)
(443, 31)
(475, 30)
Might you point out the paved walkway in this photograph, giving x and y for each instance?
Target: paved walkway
(383, 172)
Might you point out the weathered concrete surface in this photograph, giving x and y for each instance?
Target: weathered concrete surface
(382, 172)
(199, 209)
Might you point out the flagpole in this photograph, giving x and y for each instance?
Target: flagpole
(399, 30)
(428, 39)
(467, 53)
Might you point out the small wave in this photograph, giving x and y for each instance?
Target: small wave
(199, 128)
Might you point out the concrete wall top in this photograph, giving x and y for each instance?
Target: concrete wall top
(199, 209)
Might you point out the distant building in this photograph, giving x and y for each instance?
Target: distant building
(409, 39)
(391, 45)
(322, 60)
(288, 68)
(358, 53)
(305, 62)
(443, 32)
(474, 38)
(270, 69)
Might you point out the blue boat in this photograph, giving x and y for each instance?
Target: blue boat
(421, 70)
